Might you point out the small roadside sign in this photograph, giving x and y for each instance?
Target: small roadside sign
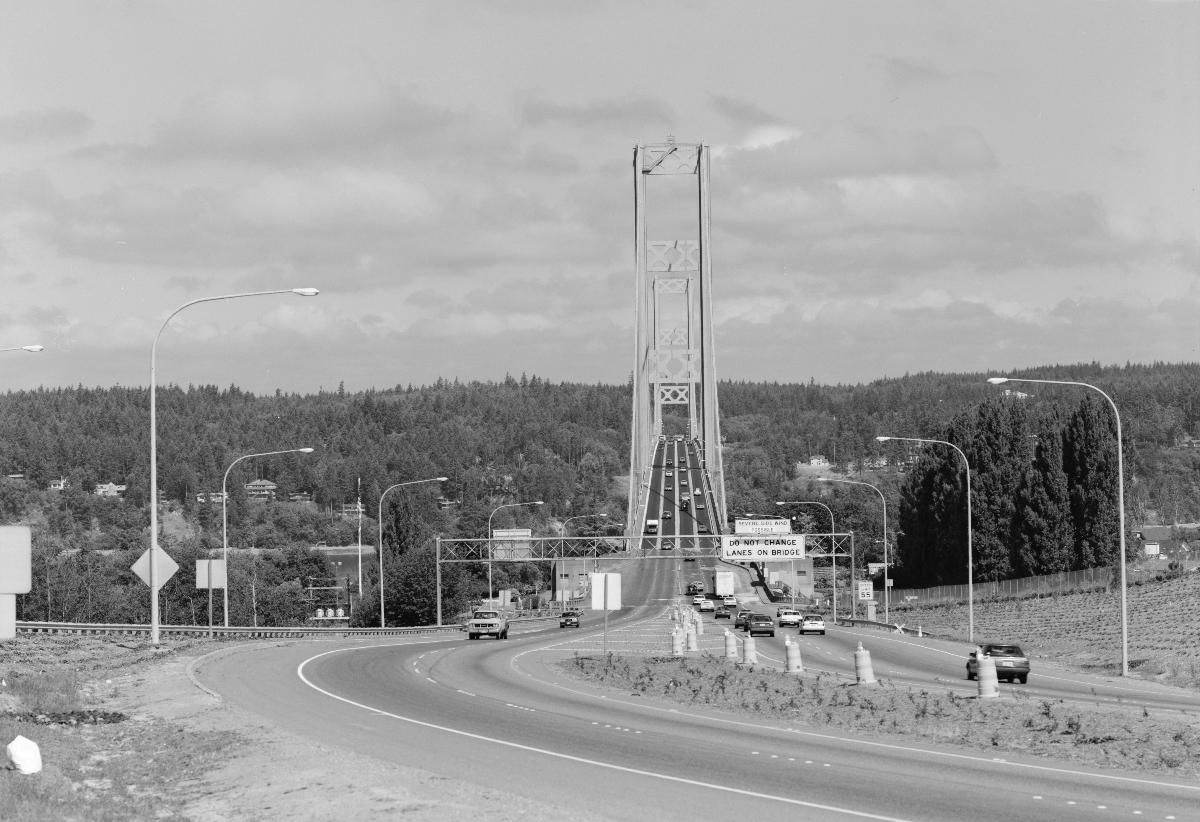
(164, 567)
(217, 579)
(866, 590)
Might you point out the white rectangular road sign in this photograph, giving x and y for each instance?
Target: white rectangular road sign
(598, 591)
(16, 559)
(779, 548)
(866, 590)
(218, 573)
(512, 543)
(774, 525)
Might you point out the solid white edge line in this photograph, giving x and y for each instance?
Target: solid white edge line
(570, 757)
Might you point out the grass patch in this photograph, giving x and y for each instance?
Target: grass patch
(1050, 728)
(98, 765)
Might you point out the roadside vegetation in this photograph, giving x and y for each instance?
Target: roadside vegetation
(99, 765)
(1082, 628)
(1018, 724)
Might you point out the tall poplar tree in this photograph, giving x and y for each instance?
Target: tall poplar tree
(1090, 464)
(1042, 530)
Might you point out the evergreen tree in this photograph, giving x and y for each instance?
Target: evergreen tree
(1090, 465)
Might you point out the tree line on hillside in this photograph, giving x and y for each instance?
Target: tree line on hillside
(568, 444)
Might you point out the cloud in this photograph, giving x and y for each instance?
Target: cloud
(905, 73)
(44, 125)
(633, 111)
(740, 111)
(861, 151)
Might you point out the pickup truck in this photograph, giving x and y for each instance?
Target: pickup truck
(488, 623)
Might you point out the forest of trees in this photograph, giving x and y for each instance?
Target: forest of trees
(1043, 476)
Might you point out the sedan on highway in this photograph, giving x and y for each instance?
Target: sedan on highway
(708, 605)
(788, 618)
(723, 612)
(812, 623)
(742, 619)
(1011, 662)
(569, 619)
(760, 624)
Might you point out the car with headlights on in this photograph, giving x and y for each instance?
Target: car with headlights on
(1011, 662)
(569, 619)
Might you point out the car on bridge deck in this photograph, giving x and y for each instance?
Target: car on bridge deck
(667, 515)
(569, 619)
(696, 600)
(742, 619)
(723, 612)
(708, 605)
(703, 529)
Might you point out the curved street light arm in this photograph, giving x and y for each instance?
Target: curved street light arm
(1120, 497)
(379, 513)
(154, 626)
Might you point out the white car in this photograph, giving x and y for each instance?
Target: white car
(708, 605)
(730, 601)
(814, 623)
(788, 618)
(697, 600)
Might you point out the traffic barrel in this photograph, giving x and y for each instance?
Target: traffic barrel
(792, 655)
(862, 666)
(730, 646)
(676, 642)
(692, 644)
(699, 625)
(985, 672)
(749, 651)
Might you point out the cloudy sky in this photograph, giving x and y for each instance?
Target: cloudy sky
(897, 186)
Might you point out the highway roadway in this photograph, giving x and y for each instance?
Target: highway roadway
(501, 714)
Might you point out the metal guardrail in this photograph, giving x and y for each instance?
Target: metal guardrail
(243, 632)
(847, 622)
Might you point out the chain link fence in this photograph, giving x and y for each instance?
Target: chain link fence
(1087, 579)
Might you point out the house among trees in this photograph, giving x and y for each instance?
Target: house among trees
(211, 496)
(261, 489)
(108, 489)
(818, 461)
(300, 496)
(59, 484)
(1181, 541)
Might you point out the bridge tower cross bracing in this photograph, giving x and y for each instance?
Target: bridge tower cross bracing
(674, 353)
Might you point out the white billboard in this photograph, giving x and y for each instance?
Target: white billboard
(762, 526)
(779, 548)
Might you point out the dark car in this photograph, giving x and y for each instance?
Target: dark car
(760, 624)
(1011, 662)
(723, 612)
(569, 619)
(695, 588)
(742, 619)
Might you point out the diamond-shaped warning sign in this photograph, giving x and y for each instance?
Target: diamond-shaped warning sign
(164, 567)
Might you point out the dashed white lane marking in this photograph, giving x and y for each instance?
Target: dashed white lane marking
(431, 679)
(520, 707)
(464, 693)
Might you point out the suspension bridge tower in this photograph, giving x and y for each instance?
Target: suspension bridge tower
(674, 369)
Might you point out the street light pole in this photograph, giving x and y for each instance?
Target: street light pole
(883, 499)
(225, 514)
(1120, 498)
(154, 626)
(491, 542)
(970, 555)
(380, 515)
(832, 548)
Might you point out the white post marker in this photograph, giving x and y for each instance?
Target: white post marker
(606, 596)
(863, 672)
(985, 672)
